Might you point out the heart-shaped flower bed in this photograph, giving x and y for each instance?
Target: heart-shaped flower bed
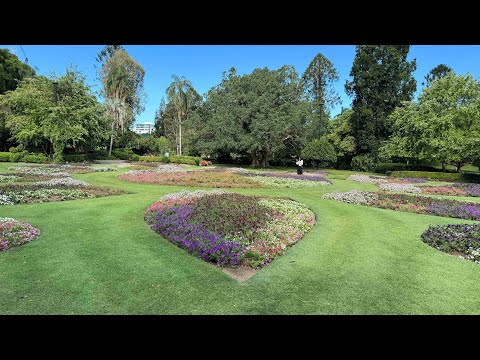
(229, 229)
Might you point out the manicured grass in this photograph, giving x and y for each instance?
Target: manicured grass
(98, 256)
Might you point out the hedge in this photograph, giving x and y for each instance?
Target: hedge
(190, 160)
(35, 158)
(150, 158)
(4, 156)
(125, 154)
(385, 168)
(429, 175)
(75, 157)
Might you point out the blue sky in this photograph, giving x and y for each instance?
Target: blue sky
(203, 64)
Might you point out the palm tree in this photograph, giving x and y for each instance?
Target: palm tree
(183, 96)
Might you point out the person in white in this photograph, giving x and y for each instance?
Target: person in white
(299, 166)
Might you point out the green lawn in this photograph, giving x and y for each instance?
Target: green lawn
(97, 256)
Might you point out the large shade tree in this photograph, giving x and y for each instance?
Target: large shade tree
(54, 113)
(443, 126)
(122, 80)
(12, 70)
(259, 115)
(381, 79)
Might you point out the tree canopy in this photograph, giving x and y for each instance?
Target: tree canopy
(257, 114)
(382, 78)
(443, 126)
(71, 117)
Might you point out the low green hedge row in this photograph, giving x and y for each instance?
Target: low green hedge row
(190, 160)
(442, 176)
(23, 156)
(385, 168)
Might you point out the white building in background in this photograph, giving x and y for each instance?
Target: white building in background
(145, 128)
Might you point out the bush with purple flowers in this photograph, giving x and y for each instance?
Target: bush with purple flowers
(229, 229)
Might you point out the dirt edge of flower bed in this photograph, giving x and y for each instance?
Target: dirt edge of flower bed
(241, 273)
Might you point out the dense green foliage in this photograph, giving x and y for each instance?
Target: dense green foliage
(12, 70)
(320, 152)
(54, 117)
(428, 175)
(260, 115)
(122, 80)
(382, 78)
(443, 126)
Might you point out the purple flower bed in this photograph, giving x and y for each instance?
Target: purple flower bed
(413, 180)
(461, 211)
(470, 189)
(462, 238)
(173, 224)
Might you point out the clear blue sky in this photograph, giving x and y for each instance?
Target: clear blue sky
(203, 64)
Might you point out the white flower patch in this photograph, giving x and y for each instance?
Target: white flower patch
(64, 181)
(353, 197)
(193, 194)
(399, 187)
(8, 178)
(5, 200)
(170, 169)
(367, 179)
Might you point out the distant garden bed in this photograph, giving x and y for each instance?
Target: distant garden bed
(410, 203)
(42, 184)
(222, 178)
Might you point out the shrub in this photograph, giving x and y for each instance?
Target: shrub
(125, 154)
(35, 158)
(16, 149)
(363, 163)
(428, 175)
(320, 152)
(189, 160)
(471, 177)
(150, 158)
(18, 156)
(75, 157)
(4, 156)
(386, 168)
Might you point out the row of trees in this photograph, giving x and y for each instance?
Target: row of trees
(61, 114)
(265, 117)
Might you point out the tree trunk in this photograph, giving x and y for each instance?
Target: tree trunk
(255, 162)
(458, 166)
(111, 142)
(443, 166)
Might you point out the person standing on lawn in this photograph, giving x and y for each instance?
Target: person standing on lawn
(299, 166)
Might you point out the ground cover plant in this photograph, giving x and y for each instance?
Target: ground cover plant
(229, 229)
(15, 233)
(456, 239)
(411, 203)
